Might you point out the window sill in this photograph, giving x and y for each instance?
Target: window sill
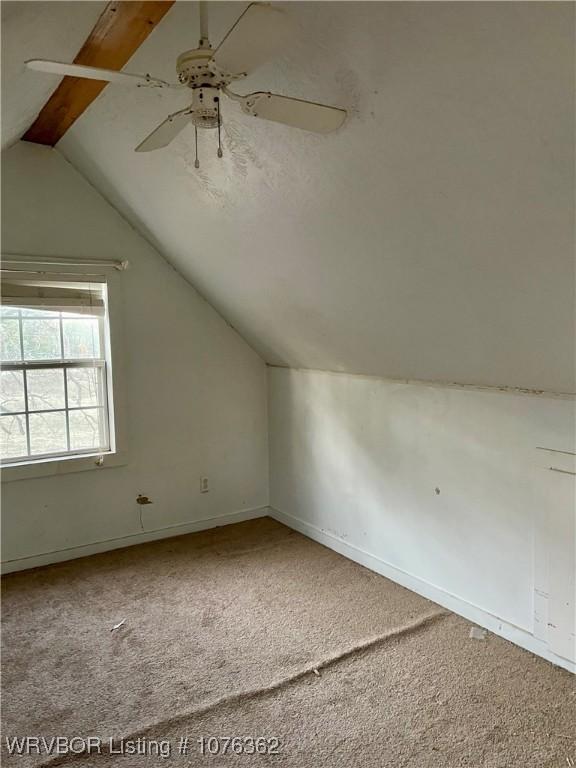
(63, 466)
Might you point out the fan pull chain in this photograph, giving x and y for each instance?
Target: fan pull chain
(196, 161)
(219, 153)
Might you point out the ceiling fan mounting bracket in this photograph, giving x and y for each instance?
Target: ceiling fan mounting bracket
(250, 104)
(151, 82)
(225, 77)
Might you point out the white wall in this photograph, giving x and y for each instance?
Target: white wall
(355, 462)
(195, 391)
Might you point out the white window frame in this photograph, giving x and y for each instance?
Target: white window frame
(117, 455)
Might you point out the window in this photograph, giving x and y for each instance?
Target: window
(55, 399)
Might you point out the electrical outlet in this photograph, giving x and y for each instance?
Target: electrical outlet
(204, 487)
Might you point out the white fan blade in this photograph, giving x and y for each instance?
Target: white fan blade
(295, 112)
(166, 131)
(94, 73)
(259, 34)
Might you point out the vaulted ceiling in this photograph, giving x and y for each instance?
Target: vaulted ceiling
(429, 238)
(44, 30)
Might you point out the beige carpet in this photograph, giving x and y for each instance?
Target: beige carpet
(223, 631)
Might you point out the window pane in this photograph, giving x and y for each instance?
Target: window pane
(81, 338)
(47, 432)
(83, 387)
(9, 311)
(13, 437)
(45, 389)
(41, 339)
(29, 312)
(86, 429)
(10, 339)
(12, 391)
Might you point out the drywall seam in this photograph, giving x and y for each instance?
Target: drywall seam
(144, 235)
(467, 610)
(431, 383)
(106, 545)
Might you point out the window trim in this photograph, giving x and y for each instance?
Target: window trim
(117, 455)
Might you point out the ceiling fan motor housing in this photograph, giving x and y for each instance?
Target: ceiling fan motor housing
(193, 71)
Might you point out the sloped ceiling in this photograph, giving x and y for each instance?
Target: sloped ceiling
(430, 238)
(42, 30)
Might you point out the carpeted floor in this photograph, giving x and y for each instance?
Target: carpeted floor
(252, 631)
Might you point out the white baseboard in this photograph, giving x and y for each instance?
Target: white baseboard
(72, 553)
(455, 604)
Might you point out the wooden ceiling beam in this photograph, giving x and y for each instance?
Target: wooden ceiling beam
(118, 33)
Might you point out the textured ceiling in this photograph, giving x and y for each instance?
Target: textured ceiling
(430, 238)
(40, 30)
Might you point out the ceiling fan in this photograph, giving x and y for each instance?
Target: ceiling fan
(258, 34)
